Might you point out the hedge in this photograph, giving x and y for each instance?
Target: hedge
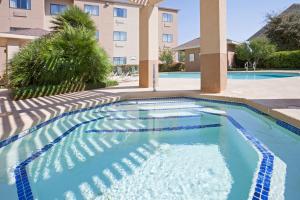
(284, 59)
(176, 67)
(49, 90)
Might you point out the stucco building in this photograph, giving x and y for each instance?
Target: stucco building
(191, 51)
(117, 25)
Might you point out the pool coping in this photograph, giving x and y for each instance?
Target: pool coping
(261, 184)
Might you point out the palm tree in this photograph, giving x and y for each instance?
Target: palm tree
(74, 17)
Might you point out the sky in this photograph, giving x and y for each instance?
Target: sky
(244, 17)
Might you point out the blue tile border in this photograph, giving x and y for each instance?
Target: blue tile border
(22, 182)
(262, 187)
(263, 180)
(9, 140)
(176, 128)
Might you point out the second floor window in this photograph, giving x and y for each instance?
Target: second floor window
(120, 12)
(167, 17)
(56, 9)
(119, 61)
(120, 36)
(21, 4)
(92, 10)
(168, 38)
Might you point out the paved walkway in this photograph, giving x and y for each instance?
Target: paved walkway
(279, 97)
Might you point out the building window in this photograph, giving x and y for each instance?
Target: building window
(168, 38)
(167, 17)
(92, 10)
(120, 12)
(119, 60)
(97, 35)
(21, 4)
(192, 57)
(120, 36)
(56, 9)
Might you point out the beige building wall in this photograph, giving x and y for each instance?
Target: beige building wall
(21, 18)
(130, 25)
(168, 28)
(39, 16)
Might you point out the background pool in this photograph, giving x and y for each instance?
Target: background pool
(233, 75)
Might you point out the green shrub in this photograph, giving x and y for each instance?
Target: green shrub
(284, 59)
(256, 50)
(176, 67)
(73, 17)
(71, 54)
(166, 56)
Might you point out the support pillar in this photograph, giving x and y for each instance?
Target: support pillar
(213, 43)
(148, 45)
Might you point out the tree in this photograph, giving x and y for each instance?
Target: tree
(284, 31)
(243, 52)
(261, 49)
(256, 50)
(166, 56)
(71, 54)
(74, 17)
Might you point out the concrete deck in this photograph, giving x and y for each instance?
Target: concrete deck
(278, 97)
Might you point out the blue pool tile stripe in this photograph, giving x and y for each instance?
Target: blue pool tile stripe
(176, 128)
(288, 127)
(263, 181)
(149, 109)
(149, 118)
(22, 182)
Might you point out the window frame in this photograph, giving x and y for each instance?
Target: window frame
(116, 9)
(119, 61)
(169, 36)
(92, 6)
(120, 36)
(169, 17)
(59, 5)
(192, 60)
(10, 6)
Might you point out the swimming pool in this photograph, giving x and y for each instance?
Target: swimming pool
(232, 75)
(174, 148)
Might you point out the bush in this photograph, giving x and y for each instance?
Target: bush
(71, 54)
(284, 59)
(166, 56)
(256, 51)
(176, 67)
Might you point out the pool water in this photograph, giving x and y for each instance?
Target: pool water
(232, 75)
(177, 148)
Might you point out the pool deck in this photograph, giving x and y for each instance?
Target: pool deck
(278, 97)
